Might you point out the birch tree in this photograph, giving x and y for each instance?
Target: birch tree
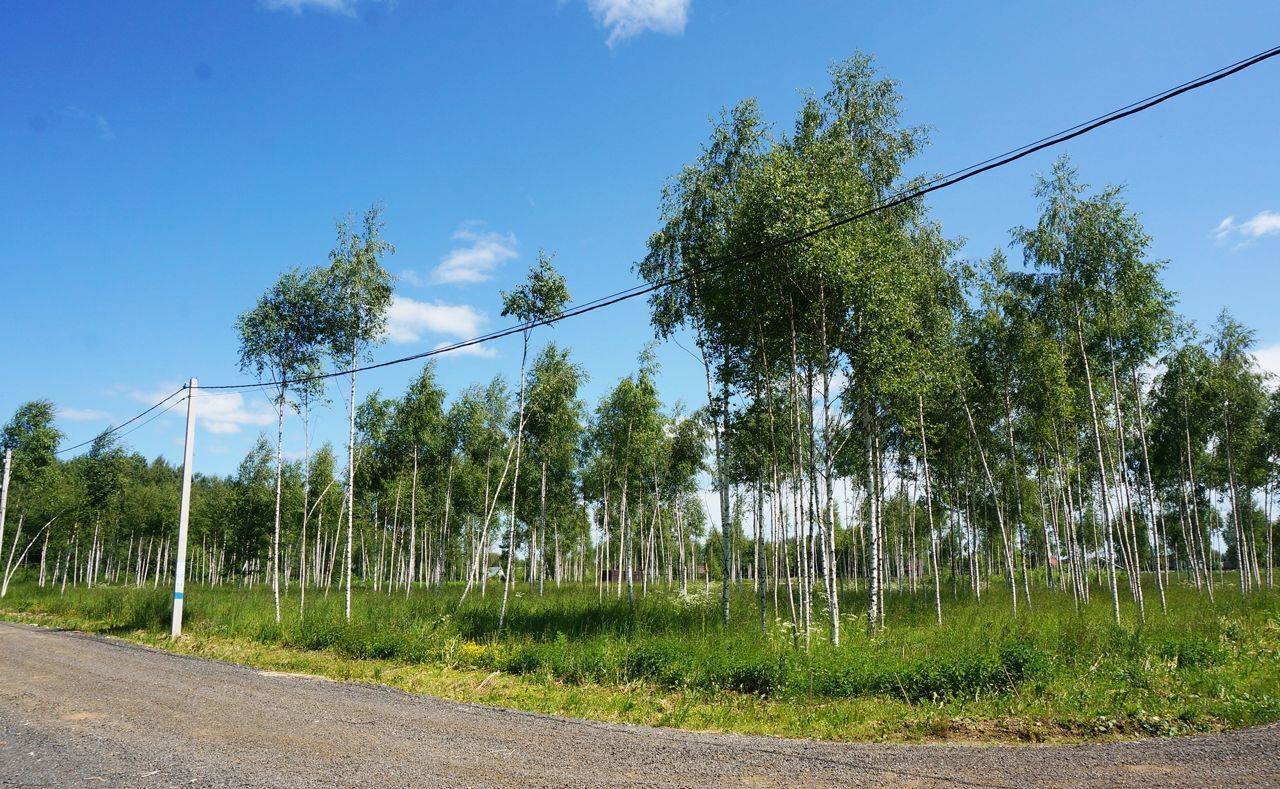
(698, 211)
(418, 433)
(280, 341)
(541, 297)
(357, 294)
(553, 428)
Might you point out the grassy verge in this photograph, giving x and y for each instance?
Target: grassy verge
(1055, 674)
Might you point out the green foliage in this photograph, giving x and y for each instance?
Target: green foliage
(356, 289)
(32, 437)
(281, 336)
(542, 296)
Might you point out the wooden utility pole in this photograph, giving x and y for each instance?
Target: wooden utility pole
(180, 570)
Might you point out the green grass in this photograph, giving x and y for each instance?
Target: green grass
(1050, 674)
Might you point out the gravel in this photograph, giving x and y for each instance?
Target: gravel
(86, 711)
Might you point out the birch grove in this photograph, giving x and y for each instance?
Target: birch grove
(879, 415)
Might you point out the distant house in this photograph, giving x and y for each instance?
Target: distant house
(617, 575)
(496, 572)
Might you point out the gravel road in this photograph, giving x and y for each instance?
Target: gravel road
(78, 710)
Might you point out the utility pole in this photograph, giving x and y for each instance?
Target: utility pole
(4, 492)
(180, 571)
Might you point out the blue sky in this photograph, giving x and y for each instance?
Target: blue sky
(163, 162)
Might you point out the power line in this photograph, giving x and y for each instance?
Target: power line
(932, 185)
(116, 430)
(1154, 98)
(900, 198)
(167, 409)
(127, 422)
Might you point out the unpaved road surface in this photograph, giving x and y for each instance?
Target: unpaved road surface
(78, 710)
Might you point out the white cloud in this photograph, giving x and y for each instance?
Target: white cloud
(345, 7)
(408, 320)
(1263, 223)
(225, 412)
(1268, 359)
(83, 415)
(627, 18)
(473, 261)
(217, 412)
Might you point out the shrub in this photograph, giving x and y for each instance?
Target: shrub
(1022, 660)
(1187, 652)
(663, 662)
(761, 673)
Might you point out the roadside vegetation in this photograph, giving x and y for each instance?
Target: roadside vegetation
(1056, 675)
(925, 492)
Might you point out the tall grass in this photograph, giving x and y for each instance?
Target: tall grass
(1201, 664)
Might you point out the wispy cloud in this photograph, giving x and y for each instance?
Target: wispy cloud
(408, 320)
(473, 260)
(1264, 223)
(413, 278)
(483, 350)
(83, 415)
(369, 10)
(627, 18)
(344, 7)
(94, 120)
